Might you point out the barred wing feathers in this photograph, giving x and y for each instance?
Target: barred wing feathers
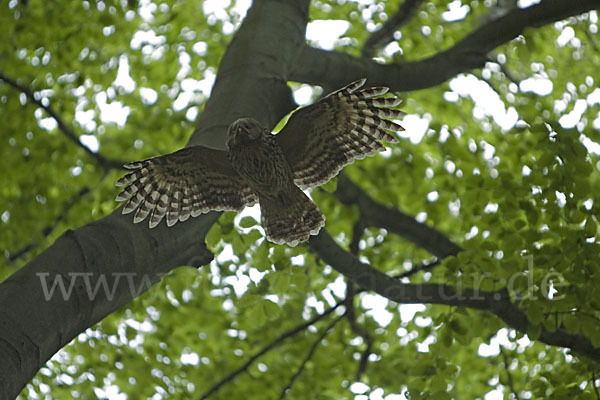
(348, 124)
(189, 182)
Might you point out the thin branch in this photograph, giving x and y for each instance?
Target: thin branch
(105, 162)
(357, 329)
(503, 68)
(511, 385)
(286, 335)
(351, 292)
(47, 231)
(575, 312)
(364, 357)
(357, 232)
(591, 39)
(376, 214)
(508, 74)
(497, 303)
(386, 34)
(309, 355)
(350, 315)
(417, 269)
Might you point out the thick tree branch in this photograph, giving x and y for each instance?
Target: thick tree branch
(320, 67)
(395, 221)
(105, 162)
(252, 73)
(386, 34)
(85, 275)
(497, 303)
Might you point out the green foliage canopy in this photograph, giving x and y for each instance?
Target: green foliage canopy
(515, 188)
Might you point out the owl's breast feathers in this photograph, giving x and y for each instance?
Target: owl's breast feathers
(288, 215)
(263, 165)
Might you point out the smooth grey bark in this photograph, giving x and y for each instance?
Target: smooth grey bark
(253, 74)
(129, 258)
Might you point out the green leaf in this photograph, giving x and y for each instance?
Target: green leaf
(257, 314)
(270, 309)
(534, 331)
(213, 236)
(281, 281)
(535, 312)
(260, 257)
(248, 222)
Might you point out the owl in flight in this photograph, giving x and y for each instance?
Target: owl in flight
(258, 166)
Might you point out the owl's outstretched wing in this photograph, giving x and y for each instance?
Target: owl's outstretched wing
(348, 124)
(189, 182)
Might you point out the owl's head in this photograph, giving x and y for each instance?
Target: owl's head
(244, 131)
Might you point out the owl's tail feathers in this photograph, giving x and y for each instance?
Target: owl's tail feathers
(291, 218)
